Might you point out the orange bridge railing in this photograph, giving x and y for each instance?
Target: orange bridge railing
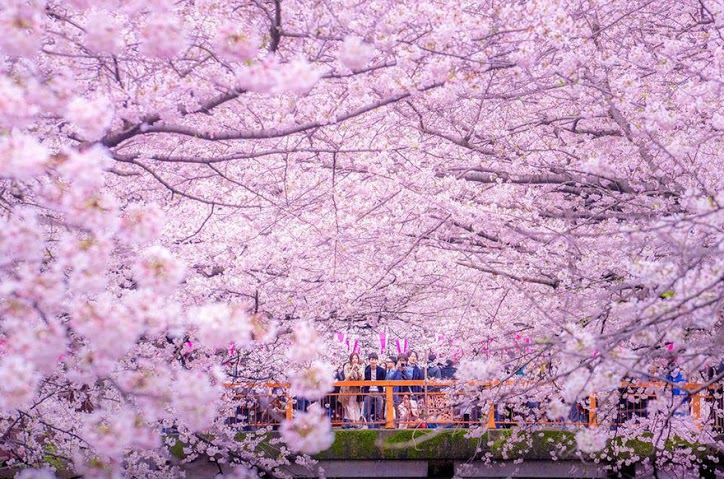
(428, 404)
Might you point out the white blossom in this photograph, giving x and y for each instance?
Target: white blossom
(237, 43)
(92, 117)
(162, 37)
(22, 156)
(590, 440)
(18, 382)
(313, 382)
(305, 343)
(159, 269)
(35, 474)
(219, 325)
(103, 32)
(309, 432)
(355, 53)
(478, 369)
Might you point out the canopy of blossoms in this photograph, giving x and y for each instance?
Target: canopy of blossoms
(190, 187)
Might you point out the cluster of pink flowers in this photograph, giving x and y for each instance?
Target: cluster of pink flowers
(269, 76)
(158, 269)
(221, 325)
(309, 432)
(235, 43)
(22, 156)
(314, 382)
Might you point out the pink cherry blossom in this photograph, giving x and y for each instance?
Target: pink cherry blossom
(478, 370)
(297, 77)
(104, 32)
(22, 28)
(141, 223)
(35, 474)
(162, 37)
(20, 236)
(193, 400)
(158, 269)
(92, 117)
(355, 53)
(258, 77)
(313, 382)
(179, 177)
(19, 382)
(239, 472)
(305, 343)
(22, 156)
(15, 109)
(41, 344)
(590, 441)
(309, 432)
(219, 325)
(235, 43)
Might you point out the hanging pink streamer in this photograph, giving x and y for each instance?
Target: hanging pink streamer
(383, 342)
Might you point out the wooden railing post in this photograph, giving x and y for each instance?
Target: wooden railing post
(696, 408)
(491, 416)
(389, 408)
(592, 412)
(289, 408)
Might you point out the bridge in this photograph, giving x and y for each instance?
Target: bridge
(471, 430)
(495, 404)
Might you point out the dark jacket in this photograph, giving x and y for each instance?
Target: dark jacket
(433, 371)
(448, 372)
(418, 374)
(398, 375)
(381, 376)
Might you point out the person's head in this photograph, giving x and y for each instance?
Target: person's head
(413, 358)
(402, 360)
(449, 363)
(431, 358)
(390, 363)
(406, 398)
(373, 360)
(354, 358)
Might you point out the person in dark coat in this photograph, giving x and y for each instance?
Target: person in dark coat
(373, 402)
(448, 371)
(433, 371)
(415, 371)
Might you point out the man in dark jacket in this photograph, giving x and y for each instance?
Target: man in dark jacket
(433, 371)
(415, 371)
(373, 402)
(448, 372)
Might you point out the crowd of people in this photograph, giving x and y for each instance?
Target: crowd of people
(362, 405)
(366, 404)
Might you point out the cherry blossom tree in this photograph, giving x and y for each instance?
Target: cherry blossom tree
(196, 187)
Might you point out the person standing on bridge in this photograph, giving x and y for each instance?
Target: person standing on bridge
(416, 373)
(400, 373)
(373, 403)
(390, 366)
(353, 371)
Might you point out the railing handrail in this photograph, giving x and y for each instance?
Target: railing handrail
(392, 390)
